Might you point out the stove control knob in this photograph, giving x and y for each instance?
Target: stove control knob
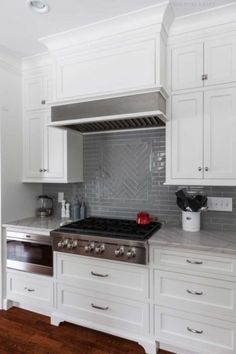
(119, 251)
(89, 247)
(69, 245)
(62, 243)
(100, 248)
(131, 253)
(75, 244)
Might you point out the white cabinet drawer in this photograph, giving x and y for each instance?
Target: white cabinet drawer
(194, 332)
(100, 275)
(194, 261)
(30, 288)
(106, 311)
(195, 294)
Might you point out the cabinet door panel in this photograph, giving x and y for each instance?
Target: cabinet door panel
(54, 148)
(33, 92)
(34, 144)
(187, 135)
(187, 67)
(220, 61)
(219, 134)
(196, 333)
(128, 67)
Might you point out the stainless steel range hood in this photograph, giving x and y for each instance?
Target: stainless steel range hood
(134, 111)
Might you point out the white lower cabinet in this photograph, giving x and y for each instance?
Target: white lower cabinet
(200, 334)
(112, 297)
(31, 291)
(117, 278)
(189, 261)
(194, 301)
(195, 294)
(106, 311)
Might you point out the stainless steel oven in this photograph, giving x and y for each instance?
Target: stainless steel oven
(29, 253)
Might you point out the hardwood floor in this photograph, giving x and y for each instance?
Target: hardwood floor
(24, 332)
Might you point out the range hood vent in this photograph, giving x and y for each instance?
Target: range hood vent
(137, 111)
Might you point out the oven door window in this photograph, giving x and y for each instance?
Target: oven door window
(28, 252)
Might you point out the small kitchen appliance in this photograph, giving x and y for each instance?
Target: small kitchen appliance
(115, 239)
(143, 218)
(29, 253)
(45, 204)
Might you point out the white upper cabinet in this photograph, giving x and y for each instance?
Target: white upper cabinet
(208, 63)
(187, 138)
(201, 144)
(220, 134)
(220, 61)
(54, 151)
(37, 89)
(201, 139)
(33, 149)
(51, 155)
(106, 70)
(187, 67)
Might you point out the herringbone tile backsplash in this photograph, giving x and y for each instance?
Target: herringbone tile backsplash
(124, 173)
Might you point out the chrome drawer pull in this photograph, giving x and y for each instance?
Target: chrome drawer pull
(194, 292)
(99, 307)
(193, 262)
(28, 289)
(99, 275)
(194, 330)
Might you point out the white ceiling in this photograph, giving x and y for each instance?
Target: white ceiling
(20, 27)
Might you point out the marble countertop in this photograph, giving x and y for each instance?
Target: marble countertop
(167, 236)
(37, 224)
(204, 240)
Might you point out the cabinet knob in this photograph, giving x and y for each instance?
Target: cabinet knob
(204, 77)
(41, 170)
(206, 169)
(43, 102)
(199, 169)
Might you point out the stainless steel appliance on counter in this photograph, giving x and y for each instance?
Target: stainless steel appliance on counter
(115, 239)
(45, 206)
(29, 253)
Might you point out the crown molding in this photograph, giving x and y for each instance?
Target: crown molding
(36, 61)
(204, 20)
(158, 15)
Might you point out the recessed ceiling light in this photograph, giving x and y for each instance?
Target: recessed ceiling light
(39, 6)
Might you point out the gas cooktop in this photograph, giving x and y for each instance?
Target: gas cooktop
(113, 228)
(112, 239)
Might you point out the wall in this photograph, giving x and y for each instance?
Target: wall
(125, 172)
(18, 200)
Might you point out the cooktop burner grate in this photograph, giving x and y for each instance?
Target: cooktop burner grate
(114, 228)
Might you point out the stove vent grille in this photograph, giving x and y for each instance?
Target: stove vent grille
(137, 111)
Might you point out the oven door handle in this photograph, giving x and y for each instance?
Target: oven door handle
(28, 240)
